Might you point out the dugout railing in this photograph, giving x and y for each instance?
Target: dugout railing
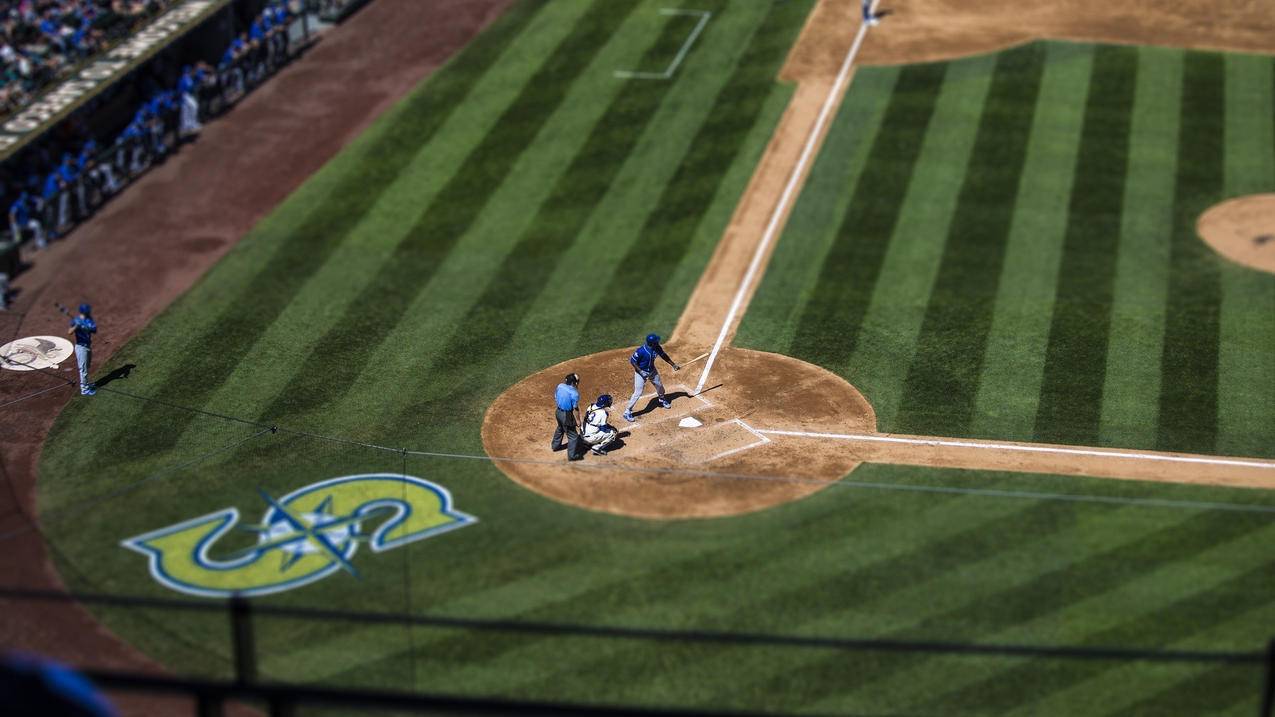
(245, 682)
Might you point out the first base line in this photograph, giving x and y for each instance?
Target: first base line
(1031, 448)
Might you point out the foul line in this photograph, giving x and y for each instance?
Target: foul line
(1028, 448)
(786, 198)
(704, 16)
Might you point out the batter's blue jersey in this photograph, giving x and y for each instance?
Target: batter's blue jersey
(643, 359)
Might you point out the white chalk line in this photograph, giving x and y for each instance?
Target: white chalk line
(790, 191)
(1029, 448)
(704, 16)
(763, 441)
(646, 396)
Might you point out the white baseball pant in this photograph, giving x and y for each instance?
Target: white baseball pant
(639, 383)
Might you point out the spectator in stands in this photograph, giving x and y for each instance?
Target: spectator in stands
(188, 87)
(100, 175)
(22, 219)
(57, 204)
(252, 51)
(71, 179)
(277, 11)
(231, 73)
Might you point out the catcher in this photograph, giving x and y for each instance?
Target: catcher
(597, 433)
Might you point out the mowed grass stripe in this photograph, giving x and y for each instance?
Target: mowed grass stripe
(829, 326)
(1163, 584)
(777, 604)
(591, 255)
(447, 404)
(1174, 626)
(618, 221)
(1246, 366)
(942, 380)
(1014, 361)
(377, 310)
(1131, 390)
(1196, 610)
(214, 354)
(1021, 591)
(296, 334)
(521, 278)
(896, 310)
(875, 580)
(1076, 357)
(648, 265)
(774, 313)
(1189, 373)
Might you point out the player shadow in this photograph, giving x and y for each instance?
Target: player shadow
(121, 372)
(614, 445)
(654, 403)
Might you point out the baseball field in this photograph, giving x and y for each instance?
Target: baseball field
(973, 377)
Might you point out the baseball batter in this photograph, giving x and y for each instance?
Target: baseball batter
(643, 362)
(596, 431)
(83, 326)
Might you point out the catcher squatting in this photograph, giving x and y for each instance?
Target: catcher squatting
(597, 433)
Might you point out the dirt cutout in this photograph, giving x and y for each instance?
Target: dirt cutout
(932, 30)
(912, 31)
(669, 467)
(1242, 230)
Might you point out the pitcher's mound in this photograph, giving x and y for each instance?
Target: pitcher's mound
(1242, 230)
(720, 462)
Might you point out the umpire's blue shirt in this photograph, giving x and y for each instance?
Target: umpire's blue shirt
(567, 397)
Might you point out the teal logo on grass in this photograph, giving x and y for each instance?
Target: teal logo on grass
(303, 537)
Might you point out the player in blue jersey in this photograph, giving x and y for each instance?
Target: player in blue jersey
(21, 219)
(643, 362)
(83, 326)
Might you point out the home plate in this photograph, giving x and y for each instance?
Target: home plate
(689, 422)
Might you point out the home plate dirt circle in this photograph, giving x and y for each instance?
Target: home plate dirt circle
(720, 462)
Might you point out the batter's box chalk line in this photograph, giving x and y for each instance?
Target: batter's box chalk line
(676, 414)
(761, 441)
(703, 15)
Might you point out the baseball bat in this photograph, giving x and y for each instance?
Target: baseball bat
(62, 308)
(701, 357)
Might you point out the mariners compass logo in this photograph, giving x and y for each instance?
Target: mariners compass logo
(304, 536)
(34, 353)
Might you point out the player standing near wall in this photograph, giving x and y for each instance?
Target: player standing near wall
(83, 326)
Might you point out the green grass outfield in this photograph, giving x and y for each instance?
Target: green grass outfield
(983, 247)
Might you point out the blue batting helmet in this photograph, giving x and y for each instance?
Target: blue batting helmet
(86, 309)
(604, 401)
(652, 339)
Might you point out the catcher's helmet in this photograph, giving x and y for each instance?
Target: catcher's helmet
(86, 309)
(571, 379)
(604, 401)
(652, 339)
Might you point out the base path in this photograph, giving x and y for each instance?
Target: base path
(749, 459)
(152, 242)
